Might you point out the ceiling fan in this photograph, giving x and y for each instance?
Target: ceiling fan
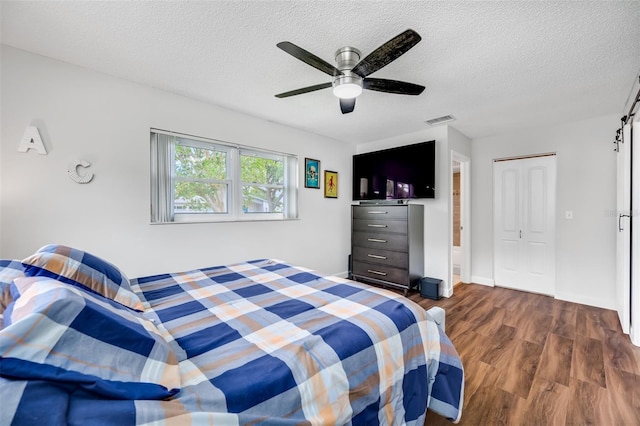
(350, 76)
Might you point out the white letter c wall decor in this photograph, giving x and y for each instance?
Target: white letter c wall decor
(72, 169)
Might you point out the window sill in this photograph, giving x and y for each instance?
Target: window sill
(224, 221)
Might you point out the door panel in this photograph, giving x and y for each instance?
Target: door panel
(511, 260)
(623, 229)
(536, 206)
(633, 290)
(510, 200)
(507, 229)
(536, 258)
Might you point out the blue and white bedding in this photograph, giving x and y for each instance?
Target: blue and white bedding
(254, 342)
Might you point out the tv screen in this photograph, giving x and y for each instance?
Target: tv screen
(395, 174)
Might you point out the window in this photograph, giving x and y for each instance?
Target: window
(201, 183)
(262, 178)
(200, 180)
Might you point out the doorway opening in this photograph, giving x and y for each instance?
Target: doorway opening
(460, 202)
(456, 249)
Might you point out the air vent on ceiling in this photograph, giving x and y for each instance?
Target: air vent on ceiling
(440, 120)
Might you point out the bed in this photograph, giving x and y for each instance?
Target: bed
(257, 342)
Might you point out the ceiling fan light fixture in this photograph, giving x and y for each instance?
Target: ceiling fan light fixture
(347, 86)
(347, 90)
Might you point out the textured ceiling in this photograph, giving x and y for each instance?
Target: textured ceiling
(495, 66)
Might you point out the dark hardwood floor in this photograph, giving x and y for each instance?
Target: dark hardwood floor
(534, 360)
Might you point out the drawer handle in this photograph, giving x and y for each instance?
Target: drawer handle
(376, 272)
(376, 240)
(375, 256)
(372, 225)
(377, 212)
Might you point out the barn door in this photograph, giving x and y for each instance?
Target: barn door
(634, 292)
(524, 223)
(623, 234)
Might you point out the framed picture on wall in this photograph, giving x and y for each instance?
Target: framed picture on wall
(330, 184)
(311, 173)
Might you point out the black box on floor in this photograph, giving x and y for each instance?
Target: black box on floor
(430, 288)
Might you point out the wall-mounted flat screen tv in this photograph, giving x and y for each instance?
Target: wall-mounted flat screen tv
(400, 173)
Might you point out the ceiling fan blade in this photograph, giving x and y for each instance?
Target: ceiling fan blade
(309, 58)
(304, 90)
(392, 86)
(347, 105)
(387, 53)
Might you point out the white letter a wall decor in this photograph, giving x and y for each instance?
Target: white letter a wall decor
(32, 140)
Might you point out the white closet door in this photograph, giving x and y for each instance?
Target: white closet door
(524, 224)
(507, 177)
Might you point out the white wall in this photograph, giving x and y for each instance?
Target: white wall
(586, 185)
(438, 214)
(104, 120)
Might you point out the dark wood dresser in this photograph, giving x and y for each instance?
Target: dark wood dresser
(387, 244)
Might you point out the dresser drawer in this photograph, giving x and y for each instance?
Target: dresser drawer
(382, 273)
(380, 212)
(397, 259)
(380, 241)
(373, 225)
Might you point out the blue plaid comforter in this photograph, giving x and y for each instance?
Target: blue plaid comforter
(265, 342)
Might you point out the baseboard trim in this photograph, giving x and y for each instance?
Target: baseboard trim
(598, 303)
(344, 274)
(483, 281)
(634, 335)
(447, 292)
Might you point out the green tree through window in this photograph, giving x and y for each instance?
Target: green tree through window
(201, 179)
(262, 183)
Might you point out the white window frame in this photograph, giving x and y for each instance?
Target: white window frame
(163, 181)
